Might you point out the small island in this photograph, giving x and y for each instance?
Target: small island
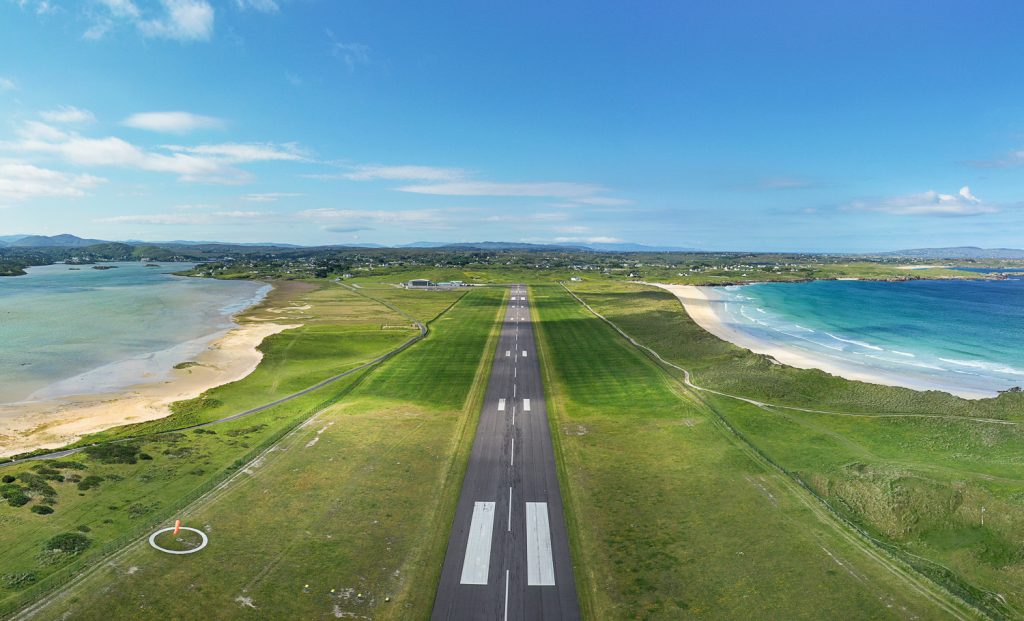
(104, 267)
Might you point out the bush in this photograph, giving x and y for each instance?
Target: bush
(90, 482)
(114, 453)
(8, 479)
(244, 430)
(18, 580)
(36, 484)
(14, 494)
(84, 528)
(71, 543)
(67, 464)
(42, 509)
(145, 456)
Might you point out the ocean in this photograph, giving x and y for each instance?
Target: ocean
(69, 332)
(964, 335)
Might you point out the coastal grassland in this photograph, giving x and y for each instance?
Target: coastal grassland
(671, 516)
(474, 274)
(113, 501)
(919, 472)
(358, 500)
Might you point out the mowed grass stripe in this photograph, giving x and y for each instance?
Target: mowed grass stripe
(359, 501)
(669, 517)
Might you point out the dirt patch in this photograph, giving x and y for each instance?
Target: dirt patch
(576, 430)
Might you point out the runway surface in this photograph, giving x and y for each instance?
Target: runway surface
(508, 554)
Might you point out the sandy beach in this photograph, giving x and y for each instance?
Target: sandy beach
(58, 422)
(700, 303)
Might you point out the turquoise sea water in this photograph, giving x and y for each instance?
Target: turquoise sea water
(68, 332)
(966, 335)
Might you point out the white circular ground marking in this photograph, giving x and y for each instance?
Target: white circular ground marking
(152, 540)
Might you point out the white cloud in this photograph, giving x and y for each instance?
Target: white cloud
(173, 122)
(487, 188)
(352, 54)
(19, 182)
(218, 217)
(604, 201)
(183, 20)
(421, 218)
(121, 8)
(599, 239)
(930, 203)
(264, 6)
(370, 172)
(785, 183)
(7, 84)
(67, 114)
(269, 197)
(216, 163)
(244, 152)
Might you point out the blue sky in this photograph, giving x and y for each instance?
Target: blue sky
(842, 126)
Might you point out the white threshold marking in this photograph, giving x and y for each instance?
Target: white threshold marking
(506, 595)
(478, 549)
(508, 352)
(526, 405)
(524, 353)
(540, 568)
(501, 405)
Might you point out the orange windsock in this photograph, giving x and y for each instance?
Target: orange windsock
(177, 527)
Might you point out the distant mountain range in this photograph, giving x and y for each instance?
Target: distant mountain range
(958, 252)
(72, 241)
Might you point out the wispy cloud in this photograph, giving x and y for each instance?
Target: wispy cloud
(785, 183)
(269, 197)
(190, 219)
(1010, 160)
(20, 182)
(486, 188)
(178, 20)
(372, 172)
(213, 163)
(67, 114)
(264, 6)
(930, 203)
(173, 122)
(351, 53)
(7, 84)
(418, 218)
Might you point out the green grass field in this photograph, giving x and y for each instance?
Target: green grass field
(111, 502)
(912, 469)
(673, 517)
(358, 500)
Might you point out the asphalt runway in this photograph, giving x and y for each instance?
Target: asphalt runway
(508, 553)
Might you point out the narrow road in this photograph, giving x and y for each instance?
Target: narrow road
(508, 554)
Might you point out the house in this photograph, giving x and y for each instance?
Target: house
(418, 283)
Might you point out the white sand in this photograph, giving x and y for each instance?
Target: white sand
(58, 422)
(701, 302)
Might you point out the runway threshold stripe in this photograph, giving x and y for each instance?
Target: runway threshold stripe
(524, 353)
(501, 405)
(540, 568)
(478, 549)
(526, 405)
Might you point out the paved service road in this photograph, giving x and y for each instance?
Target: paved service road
(508, 554)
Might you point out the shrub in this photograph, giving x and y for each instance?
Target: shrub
(19, 580)
(36, 484)
(15, 495)
(244, 430)
(8, 479)
(67, 464)
(42, 509)
(145, 456)
(84, 528)
(72, 543)
(114, 453)
(90, 482)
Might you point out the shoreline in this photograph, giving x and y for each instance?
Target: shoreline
(55, 423)
(225, 356)
(700, 302)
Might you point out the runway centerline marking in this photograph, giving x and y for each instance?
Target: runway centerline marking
(506, 595)
(512, 454)
(478, 549)
(540, 568)
(526, 405)
(510, 508)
